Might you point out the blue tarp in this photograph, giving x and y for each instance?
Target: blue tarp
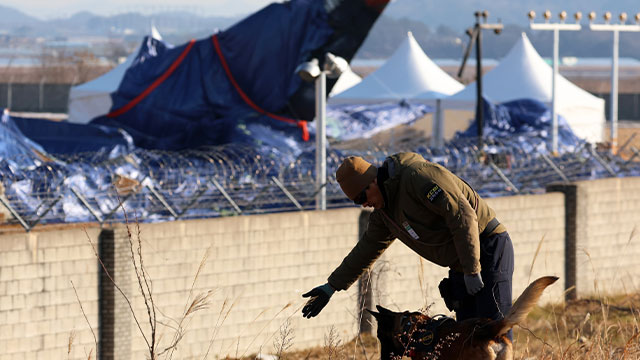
(353, 121)
(527, 118)
(61, 137)
(16, 150)
(198, 105)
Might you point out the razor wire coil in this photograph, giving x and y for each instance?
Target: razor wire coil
(233, 180)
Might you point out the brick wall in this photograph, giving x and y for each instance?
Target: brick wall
(39, 311)
(608, 245)
(257, 267)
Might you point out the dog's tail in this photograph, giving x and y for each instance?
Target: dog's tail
(521, 307)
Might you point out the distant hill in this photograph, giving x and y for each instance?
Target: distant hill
(12, 17)
(14, 22)
(438, 28)
(445, 42)
(458, 14)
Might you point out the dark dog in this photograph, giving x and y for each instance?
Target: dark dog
(419, 336)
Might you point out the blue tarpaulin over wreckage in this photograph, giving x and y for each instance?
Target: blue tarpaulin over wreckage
(527, 119)
(218, 90)
(61, 137)
(353, 121)
(236, 87)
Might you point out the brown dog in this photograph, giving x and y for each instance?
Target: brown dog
(419, 336)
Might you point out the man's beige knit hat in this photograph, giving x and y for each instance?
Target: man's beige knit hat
(354, 175)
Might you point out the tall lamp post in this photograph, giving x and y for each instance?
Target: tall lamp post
(310, 71)
(556, 28)
(615, 29)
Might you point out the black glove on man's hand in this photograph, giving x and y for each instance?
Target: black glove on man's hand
(473, 282)
(319, 298)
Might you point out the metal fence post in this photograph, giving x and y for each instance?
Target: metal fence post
(287, 193)
(9, 94)
(226, 196)
(555, 168)
(601, 161)
(503, 177)
(162, 200)
(15, 214)
(41, 94)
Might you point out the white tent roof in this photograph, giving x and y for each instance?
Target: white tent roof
(407, 73)
(347, 80)
(93, 98)
(523, 74)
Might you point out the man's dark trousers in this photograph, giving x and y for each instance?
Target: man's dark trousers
(494, 299)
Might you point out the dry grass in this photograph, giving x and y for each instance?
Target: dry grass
(587, 329)
(582, 329)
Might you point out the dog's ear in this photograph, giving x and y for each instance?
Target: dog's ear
(383, 310)
(374, 313)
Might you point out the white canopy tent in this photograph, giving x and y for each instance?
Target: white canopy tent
(407, 73)
(347, 80)
(93, 98)
(523, 74)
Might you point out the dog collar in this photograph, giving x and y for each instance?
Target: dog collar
(418, 334)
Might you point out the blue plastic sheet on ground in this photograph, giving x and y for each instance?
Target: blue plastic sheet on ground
(523, 118)
(352, 121)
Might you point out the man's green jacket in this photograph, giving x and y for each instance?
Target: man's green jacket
(430, 210)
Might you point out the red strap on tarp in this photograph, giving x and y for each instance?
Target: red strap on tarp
(302, 124)
(154, 85)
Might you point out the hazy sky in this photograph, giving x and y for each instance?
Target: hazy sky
(47, 9)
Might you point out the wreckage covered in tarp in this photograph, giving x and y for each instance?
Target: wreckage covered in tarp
(356, 121)
(93, 98)
(236, 88)
(218, 89)
(523, 119)
(523, 74)
(233, 179)
(61, 137)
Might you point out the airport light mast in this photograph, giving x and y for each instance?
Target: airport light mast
(615, 29)
(556, 28)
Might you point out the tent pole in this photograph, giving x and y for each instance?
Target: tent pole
(554, 83)
(437, 131)
(479, 110)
